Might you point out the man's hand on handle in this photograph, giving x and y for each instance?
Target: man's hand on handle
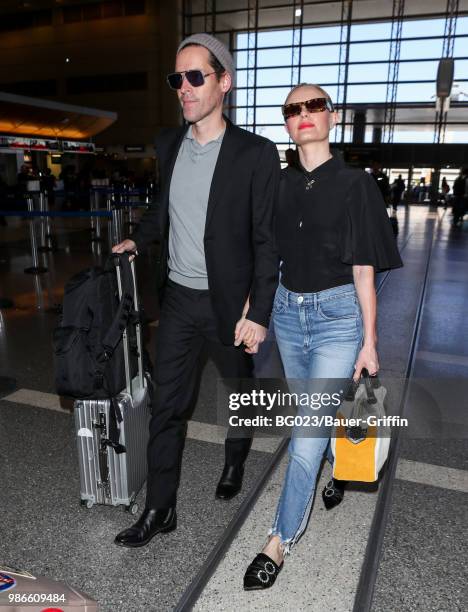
(126, 246)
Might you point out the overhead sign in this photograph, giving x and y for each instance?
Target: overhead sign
(134, 148)
(39, 144)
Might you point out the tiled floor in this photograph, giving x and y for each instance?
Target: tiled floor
(50, 534)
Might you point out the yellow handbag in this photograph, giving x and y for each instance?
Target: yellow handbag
(360, 441)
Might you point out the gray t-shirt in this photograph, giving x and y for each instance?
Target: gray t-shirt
(188, 203)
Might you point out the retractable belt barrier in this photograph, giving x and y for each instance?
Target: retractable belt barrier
(114, 212)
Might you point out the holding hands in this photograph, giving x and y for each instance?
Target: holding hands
(249, 333)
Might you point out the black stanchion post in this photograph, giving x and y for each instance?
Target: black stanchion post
(97, 186)
(135, 199)
(35, 268)
(92, 206)
(110, 221)
(45, 246)
(116, 230)
(48, 221)
(131, 222)
(113, 231)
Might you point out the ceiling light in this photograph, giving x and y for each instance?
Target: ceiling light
(298, 12)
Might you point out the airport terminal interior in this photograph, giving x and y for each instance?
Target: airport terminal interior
(83, 94)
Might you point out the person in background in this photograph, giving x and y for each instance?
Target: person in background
(381, 180)
(48, 186)
(290, 156)
(460, 197)
(398, 189)
(445, 189)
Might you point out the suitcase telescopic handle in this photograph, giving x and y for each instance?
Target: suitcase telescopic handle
(124, 260)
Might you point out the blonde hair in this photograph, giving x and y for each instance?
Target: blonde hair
(321, 90)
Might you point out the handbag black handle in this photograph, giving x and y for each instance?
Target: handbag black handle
(370, 382)
(369, 387)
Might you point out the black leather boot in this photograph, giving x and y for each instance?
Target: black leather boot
(151, 522)
(230, 482)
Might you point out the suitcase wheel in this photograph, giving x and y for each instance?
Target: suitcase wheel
(132, 508)
(87, 503)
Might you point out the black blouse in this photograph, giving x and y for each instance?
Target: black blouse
(328, 220)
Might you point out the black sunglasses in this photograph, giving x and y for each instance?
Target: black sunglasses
(315, 105)
(196, 78)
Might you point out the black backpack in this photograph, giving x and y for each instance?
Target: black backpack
(88, 347)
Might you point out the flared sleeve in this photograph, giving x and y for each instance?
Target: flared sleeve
(368, 238)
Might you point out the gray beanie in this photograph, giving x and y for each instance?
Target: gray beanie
(217, 48)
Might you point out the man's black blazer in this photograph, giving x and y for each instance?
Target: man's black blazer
(240, 253)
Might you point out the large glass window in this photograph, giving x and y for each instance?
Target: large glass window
(285, 55)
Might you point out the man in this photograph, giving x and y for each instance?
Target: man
(381, 180)
(460, 197)
(397, 191)
(218, 266)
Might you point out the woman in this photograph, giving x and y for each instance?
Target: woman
(333, 233)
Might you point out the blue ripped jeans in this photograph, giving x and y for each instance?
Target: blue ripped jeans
(319, 336)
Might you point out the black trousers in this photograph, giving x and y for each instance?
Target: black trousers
(186, 323)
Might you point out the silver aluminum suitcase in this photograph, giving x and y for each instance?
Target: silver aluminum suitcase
(108, 477)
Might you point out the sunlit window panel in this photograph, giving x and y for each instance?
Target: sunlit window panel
(321, 35)
(412, 135)
(423, 27)
(456, 134)
(359, 73)
(273, 76)
(462, 25)
(275, 38)
(241, 97)
(409, 71)
(421, 49)
(362, 52)
(240, 59)
(274, 57)
(319, 74)
(367, 93)
(420, 92)
(461, 69)
(322, 54)
(270, 115)
(241, 78)
(276, 133)
(460, 48)
(272, 96)
(371, 31)
(241, 116)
